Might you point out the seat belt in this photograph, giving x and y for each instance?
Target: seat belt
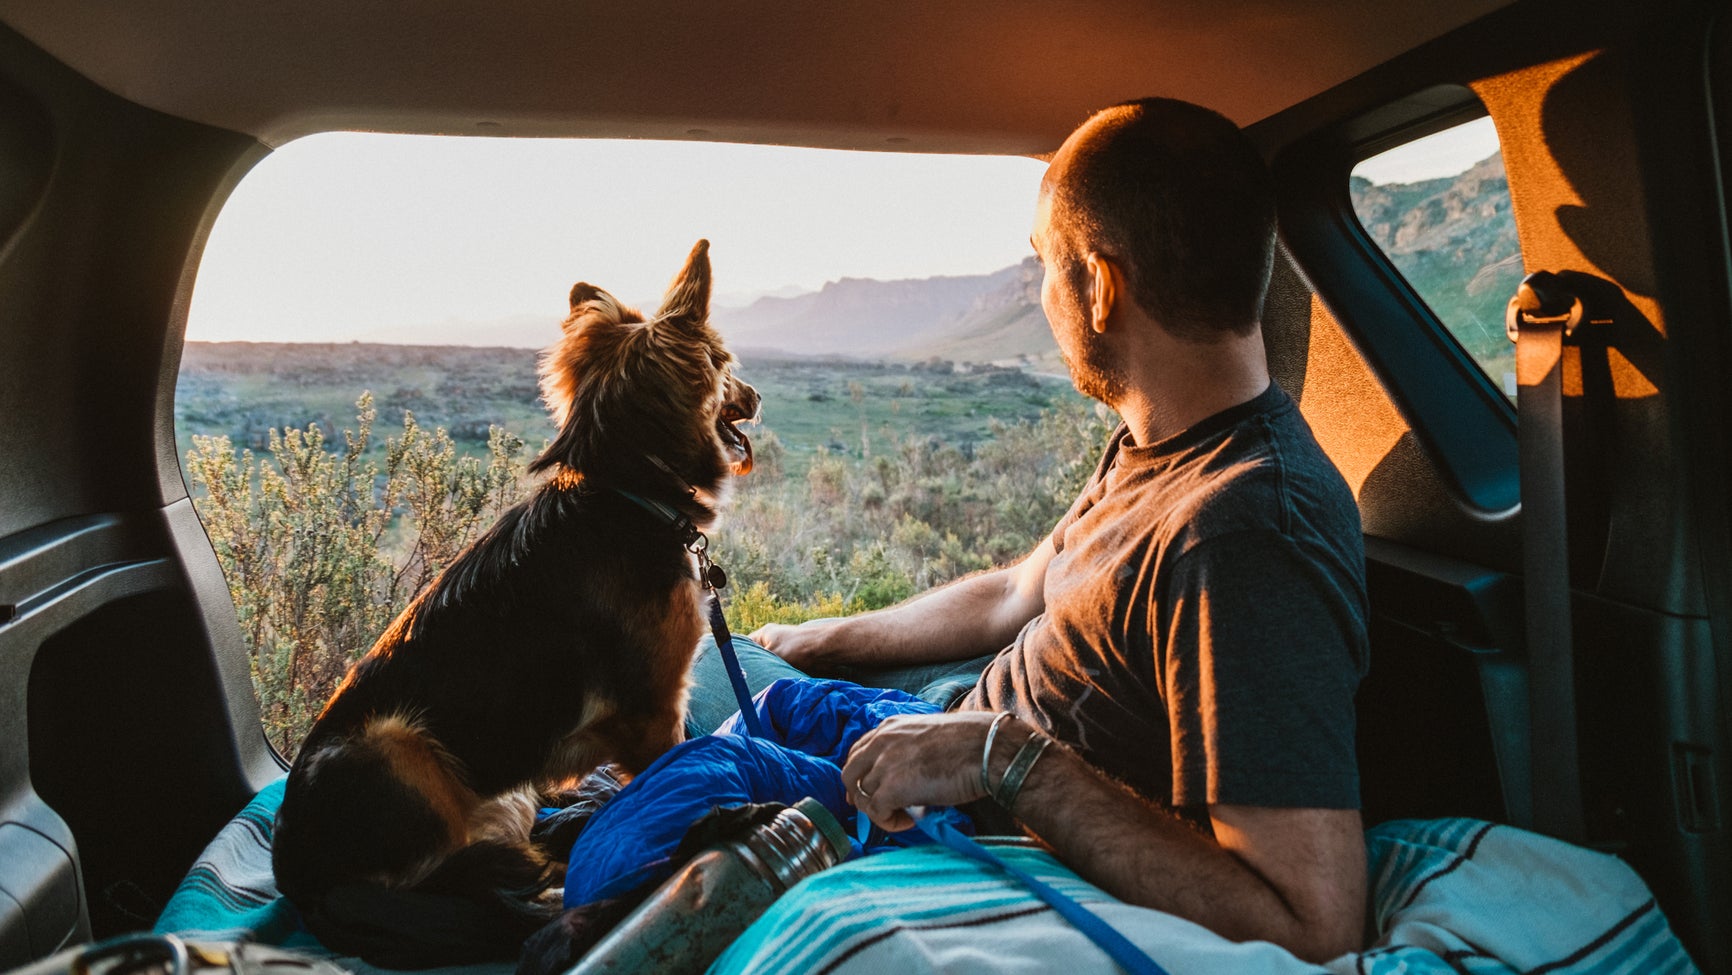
(1541, 318)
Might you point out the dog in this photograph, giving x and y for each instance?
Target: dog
(557, 642)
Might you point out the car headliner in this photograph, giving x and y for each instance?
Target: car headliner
(1007, 76)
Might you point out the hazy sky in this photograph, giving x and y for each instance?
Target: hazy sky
(344, 236)
(352, 236)
(1441, 154)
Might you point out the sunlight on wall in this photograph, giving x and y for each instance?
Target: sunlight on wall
(1357, 447)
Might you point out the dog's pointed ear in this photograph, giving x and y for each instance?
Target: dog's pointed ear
(582, 292)
(588, 300)
(688, 297)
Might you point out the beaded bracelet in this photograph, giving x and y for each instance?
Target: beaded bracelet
(986, 753)
(1020, 766)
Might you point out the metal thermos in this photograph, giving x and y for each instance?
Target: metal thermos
(687, 923)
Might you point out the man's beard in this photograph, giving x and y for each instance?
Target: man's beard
(1092, 370)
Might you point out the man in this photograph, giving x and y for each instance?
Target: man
(1192, 632)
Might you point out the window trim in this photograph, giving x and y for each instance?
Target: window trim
(1393, 140)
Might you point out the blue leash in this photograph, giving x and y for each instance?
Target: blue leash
(1128, 956)
(1118, 947)
(730, 659)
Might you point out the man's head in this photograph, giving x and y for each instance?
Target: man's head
(1177, 200)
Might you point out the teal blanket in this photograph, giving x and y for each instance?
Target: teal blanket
(1448, 896)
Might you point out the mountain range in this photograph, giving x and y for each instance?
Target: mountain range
(980, 318)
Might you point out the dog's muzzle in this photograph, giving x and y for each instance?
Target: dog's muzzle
(741, 407)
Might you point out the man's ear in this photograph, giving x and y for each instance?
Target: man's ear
(1106, 281)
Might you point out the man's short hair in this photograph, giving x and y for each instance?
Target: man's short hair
(1182, 200)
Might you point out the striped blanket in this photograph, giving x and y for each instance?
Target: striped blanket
(1448, 896)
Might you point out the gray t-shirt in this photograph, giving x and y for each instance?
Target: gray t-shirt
(1204, 630)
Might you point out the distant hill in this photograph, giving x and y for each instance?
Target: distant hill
(860, 317)
(512, 331)
(1002, 323)
(1463, 218)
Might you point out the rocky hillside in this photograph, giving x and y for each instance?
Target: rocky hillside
(1004, 323)
(1454, 239)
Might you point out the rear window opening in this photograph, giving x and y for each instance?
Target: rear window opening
(358, 396)
(1439, 208)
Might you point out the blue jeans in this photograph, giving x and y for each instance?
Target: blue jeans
(712, 700)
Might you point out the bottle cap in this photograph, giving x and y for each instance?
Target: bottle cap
(833, 833)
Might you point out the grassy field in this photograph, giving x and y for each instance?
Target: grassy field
(855, 409)
(813, 407)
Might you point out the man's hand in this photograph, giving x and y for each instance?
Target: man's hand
(920, 760)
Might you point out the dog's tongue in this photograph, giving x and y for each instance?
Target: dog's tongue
(741, 444)
(743, 466)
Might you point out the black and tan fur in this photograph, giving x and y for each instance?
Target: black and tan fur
(558, 641)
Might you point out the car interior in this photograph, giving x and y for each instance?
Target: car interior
(1550, 638)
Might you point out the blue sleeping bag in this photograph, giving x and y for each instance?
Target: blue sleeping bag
(810, 726)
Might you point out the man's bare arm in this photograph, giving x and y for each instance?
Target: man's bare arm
(973, 616)
(1294, 877)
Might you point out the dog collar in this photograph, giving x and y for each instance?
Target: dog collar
(691, 539)
(682, 525)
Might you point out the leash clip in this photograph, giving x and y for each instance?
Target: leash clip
(710, 575)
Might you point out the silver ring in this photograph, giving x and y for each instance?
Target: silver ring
(860, 787)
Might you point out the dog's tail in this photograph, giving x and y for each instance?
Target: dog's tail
(390, 857)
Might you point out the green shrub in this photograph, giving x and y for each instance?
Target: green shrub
(756, 605)
(322, 549)
(323, 546)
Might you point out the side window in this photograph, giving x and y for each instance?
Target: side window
(1439, 207)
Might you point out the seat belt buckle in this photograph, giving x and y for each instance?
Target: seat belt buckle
(1543, 299)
